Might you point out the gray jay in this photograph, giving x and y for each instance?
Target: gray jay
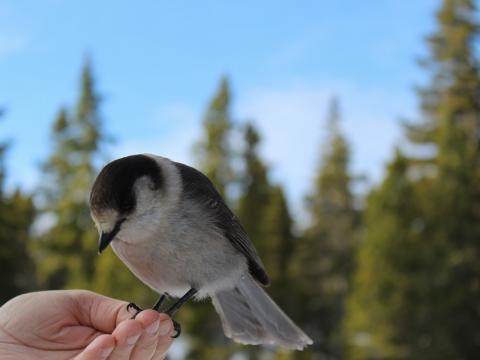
(172, 229)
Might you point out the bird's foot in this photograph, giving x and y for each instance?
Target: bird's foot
(169, 312)
(177, 328)
(134, 306)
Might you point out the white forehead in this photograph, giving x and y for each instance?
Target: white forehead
(106, 219)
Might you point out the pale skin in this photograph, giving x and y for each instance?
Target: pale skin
(80, 325)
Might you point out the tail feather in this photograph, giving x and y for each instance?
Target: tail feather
(250, 316)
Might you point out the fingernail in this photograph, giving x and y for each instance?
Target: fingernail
(153, 328)
(132, 339)
(106, 352)
(165, 327)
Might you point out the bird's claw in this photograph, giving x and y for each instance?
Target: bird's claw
(177, 328)
(134, 306)
(138, 309)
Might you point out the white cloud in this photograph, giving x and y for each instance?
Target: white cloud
(289, 120)
(292, 122)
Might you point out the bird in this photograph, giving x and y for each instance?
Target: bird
(170, 226)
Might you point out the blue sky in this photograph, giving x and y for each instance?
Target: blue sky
(157, 63)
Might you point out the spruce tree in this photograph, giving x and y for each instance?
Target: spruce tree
(67, 250)
(214, 152)
(324, 256)
(16, 217)
(422, 272)
(388, 311)
(255, 190)
(451, 124)
(214, 158)
(263, 210)
(277, 246)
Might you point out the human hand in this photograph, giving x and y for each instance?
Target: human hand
(80, 325)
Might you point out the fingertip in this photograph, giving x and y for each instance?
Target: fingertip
(147, 317)
(128, 332)
(166, 327)
(163, 317)
(154, 322)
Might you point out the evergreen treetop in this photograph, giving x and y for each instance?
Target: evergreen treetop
(66, 252)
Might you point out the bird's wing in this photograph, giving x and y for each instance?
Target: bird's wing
(198, 187)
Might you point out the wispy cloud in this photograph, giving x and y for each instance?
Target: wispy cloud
(292, 121)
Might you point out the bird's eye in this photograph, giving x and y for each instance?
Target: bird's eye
(125, 207)
(127, 204)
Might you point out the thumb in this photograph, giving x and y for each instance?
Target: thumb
(98, 311)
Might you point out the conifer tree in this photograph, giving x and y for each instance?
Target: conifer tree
(277, 246)
(16, 217)
(214, 153)
(66, 251)
(388, 307)
(263, 210)
(324, 257)
(214, 158)
(255, 190)
(422, 267)
(451, 124)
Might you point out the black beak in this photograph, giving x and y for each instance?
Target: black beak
(106, 238)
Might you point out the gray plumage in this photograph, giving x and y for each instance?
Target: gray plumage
(173, 230)
(250, 316)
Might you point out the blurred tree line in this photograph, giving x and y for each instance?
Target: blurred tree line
(392, 276)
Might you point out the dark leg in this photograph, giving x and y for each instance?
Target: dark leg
(139, 309)
(159, 302)
(174, 308)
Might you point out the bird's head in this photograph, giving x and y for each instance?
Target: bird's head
(123, 192)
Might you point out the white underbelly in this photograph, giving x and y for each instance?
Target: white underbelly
(172, 265)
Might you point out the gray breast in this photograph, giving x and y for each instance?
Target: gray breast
(189, 252)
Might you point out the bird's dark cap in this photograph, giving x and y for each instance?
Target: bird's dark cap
(113, 187)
